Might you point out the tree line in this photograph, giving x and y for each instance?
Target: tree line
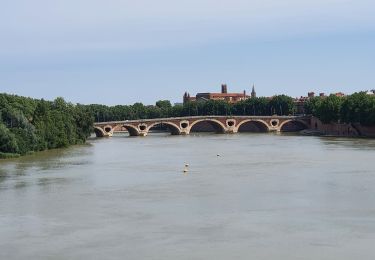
(261, 106)
(356, 108)
(28, 125)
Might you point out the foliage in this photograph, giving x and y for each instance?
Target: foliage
(8, 141)
(312, 104)
(163, 104)
(329, 109)
(28, 125)
(282, 105)
(359, 108)
(356, 108)
(9, 155)
(262, 106)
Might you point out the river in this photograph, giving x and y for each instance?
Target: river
(244, 196)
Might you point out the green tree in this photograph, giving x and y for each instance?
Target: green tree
(282, 105)
(358, 108)
(164, 104)
(329, 109)
(312, 104)
(8, 142)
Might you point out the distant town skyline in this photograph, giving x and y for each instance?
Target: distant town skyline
(122, 52)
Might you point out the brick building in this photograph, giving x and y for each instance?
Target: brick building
(223, 95)
(236, 97)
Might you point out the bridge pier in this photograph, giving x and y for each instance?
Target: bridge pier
(105, 131)
(231, 131)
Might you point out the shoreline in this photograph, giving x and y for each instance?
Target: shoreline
(306, 132)
(34, 153)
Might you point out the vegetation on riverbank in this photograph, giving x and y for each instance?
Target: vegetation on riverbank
(9, 155)
(355, 108)
(28, 125)
(280, 105)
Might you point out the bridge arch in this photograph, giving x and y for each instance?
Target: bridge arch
(132, 130)
(99, 132)
(173, 128)
(254, 125)
(117, 128)
(218, 126)
(293, 125)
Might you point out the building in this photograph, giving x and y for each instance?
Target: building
(223, 95)
(236, 97)
(339, 94)
(300, 102)
(253, 93)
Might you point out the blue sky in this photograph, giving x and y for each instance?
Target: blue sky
(121, 52)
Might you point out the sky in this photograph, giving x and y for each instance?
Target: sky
(121, 52)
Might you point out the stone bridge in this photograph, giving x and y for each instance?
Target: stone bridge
(219, 124)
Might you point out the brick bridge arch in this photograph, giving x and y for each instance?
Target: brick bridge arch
(99, 132)
(260, 122)
(132, 130)
(216, 124)
(297, 121)
(173, 128)
(104, 131)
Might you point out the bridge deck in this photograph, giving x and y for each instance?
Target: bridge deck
(200, 117)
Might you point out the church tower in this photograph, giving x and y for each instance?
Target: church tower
(186, 97)
(224, 89)
(253, 93)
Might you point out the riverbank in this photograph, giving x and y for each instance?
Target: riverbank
(9, 155)
(30, 125)
(339, 129)
(56, 152)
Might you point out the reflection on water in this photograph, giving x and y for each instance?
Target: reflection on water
(244, 196)
(48, 160)
(20, 184)
(349, 143)
(3, 174)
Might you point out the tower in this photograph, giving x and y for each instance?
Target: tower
(186, 97)
(224, 89)
(253, 93)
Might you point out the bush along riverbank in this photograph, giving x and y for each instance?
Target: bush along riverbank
(29, 125)
(352, 115)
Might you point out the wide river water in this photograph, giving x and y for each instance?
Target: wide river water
(245, 196)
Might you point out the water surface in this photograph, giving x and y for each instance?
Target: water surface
(266, 196)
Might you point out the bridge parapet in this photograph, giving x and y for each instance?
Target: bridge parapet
(185, 125)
